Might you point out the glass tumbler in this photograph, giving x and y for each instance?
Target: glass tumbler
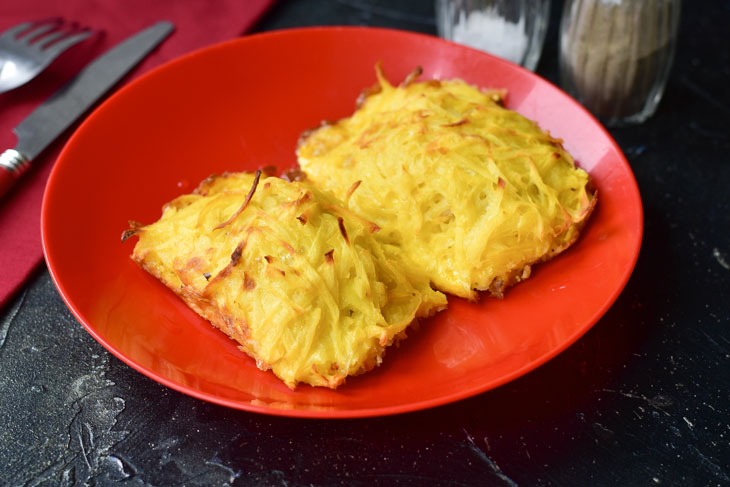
(615, 55)
(511, 29)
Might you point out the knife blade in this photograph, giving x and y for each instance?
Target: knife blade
(54, 116)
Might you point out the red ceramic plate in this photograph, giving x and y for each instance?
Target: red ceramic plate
(242, 105)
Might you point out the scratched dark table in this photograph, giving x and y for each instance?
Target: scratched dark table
(643, 399)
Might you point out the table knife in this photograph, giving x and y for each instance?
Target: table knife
(51, 119)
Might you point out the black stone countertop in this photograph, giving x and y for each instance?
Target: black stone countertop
(642, 399)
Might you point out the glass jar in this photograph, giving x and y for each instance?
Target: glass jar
(615, 55)
(511, 29)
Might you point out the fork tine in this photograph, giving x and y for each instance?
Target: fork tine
(64, 43)
(38, 31)
(14, 31)
(46, 40)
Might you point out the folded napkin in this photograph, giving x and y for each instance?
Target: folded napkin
(198, 23)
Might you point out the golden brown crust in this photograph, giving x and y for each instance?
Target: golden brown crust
(499, 285)
(134, 229)
(226, 322)
(412, 76)
(245, 202)
(297, 172)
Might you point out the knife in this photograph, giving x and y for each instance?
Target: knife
(63, 108)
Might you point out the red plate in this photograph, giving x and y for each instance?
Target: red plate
(242, 105)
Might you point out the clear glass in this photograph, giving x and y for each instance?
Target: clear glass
(511, 29)
(615, 55)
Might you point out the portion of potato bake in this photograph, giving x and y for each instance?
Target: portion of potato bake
(288, 272)
(469, 192)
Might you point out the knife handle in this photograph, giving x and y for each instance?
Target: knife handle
(12, 165)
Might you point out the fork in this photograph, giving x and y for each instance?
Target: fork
(28, 48)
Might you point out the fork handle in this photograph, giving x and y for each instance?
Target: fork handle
(12, 165)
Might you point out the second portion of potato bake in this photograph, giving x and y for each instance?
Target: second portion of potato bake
(469, 192)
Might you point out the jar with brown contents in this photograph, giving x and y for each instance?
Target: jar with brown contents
(615, 55)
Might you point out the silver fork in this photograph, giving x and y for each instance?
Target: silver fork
(28, 48)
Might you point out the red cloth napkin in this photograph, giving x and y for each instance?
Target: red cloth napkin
(198, 23)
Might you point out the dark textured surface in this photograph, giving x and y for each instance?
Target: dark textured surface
(642, 399)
